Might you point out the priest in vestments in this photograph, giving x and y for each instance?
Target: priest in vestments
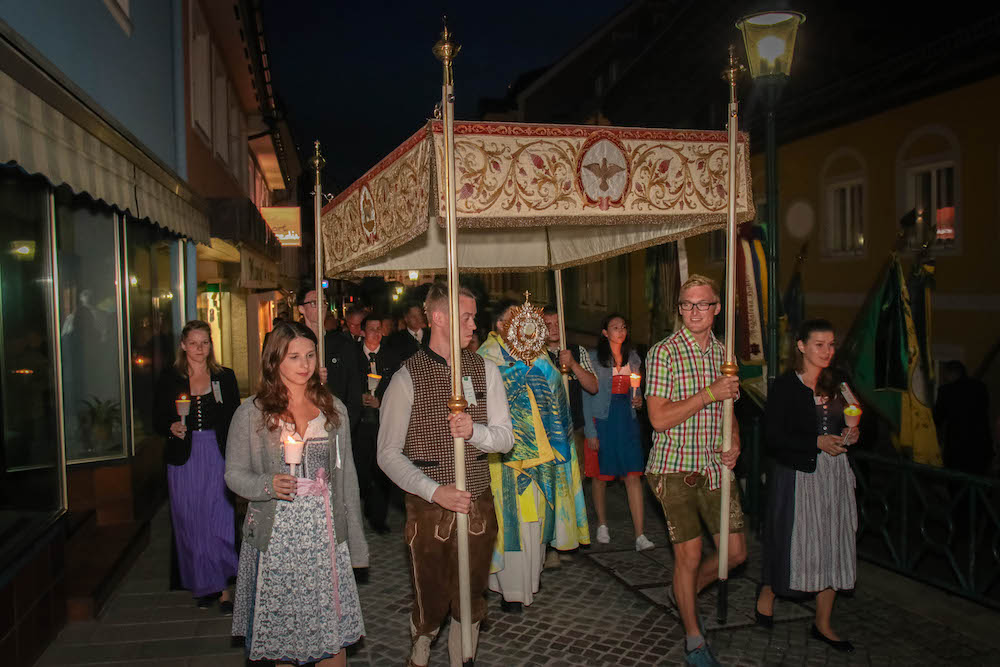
(537, 489)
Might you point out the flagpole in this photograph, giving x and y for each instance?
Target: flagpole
(317, 162)
(562, 327)
(729, 367)
(446, 50)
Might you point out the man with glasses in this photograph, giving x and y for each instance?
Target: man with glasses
(685, 389)
(340, 372)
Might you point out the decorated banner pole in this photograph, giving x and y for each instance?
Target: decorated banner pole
(729, 367)
(317, 162)
(446, 50)
(562, 327)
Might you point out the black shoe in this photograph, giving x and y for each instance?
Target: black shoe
(361, 575)
(226, 607)
(763, 620)
(206, 601)
(511, 607)
(381, 529)
(842, 645)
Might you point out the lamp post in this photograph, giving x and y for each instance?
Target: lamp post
(770, 43)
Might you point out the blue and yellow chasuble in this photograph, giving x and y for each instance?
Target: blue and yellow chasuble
(543, 455)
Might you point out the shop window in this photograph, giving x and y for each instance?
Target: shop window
(201, 74)
(87, 259)
(154, 311)
(929, 189)
(845, 222)
(220, 107)
(843, 178)
(30, 471)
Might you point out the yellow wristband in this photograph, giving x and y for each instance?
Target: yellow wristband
(710, 395)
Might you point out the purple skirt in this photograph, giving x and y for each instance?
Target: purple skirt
(202, 516)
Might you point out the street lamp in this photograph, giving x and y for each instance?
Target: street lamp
(770, 43)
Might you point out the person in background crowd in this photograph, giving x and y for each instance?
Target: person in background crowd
(331, 323)
(353, 318)
(475, 342)
(686, 464)
(537, 491)
(416, 450)
(613, 450)
(581, 373)
(377, 359)
(296, 597)
(340, 372)
(962, 417)
(408, 340)
(809, 543)
(388, 326)
(200, 511)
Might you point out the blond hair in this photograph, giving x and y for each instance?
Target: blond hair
(437, 297)
(698, 280)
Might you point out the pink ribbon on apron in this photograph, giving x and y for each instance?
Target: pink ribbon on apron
(320, 487)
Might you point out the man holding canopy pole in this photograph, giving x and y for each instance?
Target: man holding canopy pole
(416, 451)
(685, 393)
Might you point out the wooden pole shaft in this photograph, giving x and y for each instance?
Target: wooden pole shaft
(318, 163)
(562, 326)
(457, 404)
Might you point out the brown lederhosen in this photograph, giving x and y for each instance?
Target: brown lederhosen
(431, 529)
(431, 537)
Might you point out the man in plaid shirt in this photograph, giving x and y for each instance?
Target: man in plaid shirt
(685, 389)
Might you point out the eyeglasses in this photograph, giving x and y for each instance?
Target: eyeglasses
(701, 305)
(308, 303)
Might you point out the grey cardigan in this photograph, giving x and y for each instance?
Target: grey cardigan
(254, 455)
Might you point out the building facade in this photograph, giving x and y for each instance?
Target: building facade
(115, 189)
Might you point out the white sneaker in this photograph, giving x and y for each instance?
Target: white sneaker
(642, 543)
(603, 536)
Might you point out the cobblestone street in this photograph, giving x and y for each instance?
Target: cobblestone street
(606, 605)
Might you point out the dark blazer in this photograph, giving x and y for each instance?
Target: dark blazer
(404, 344)
(169, 388)
(342, 374)
(387, 362)
(790, 419)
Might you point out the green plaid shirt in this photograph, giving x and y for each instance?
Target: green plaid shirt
(677, 369)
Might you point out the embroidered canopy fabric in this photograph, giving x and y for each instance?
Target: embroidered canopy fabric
(533, 197)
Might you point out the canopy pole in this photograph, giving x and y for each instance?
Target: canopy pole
(729, 367)
(562, 327)
(317, 162)
(446, 50)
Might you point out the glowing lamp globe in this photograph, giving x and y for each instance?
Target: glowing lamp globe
(770, 41)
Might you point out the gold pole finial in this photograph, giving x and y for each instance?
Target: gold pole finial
(732, 71)
(317, 161)
(445, 50)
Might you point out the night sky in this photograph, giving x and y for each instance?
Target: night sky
(361, 78)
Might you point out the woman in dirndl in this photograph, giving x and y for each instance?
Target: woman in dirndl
(811, 521)
(611, 429)
(201, 510)
(296, 595)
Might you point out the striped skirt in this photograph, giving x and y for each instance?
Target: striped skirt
(809, 534)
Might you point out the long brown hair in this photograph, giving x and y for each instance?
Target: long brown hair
(826, 382)
(272, 395)
(181, 362)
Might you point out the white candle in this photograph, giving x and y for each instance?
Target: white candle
(183, 407)
(635, 380)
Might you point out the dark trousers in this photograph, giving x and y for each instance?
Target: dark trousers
(431, 536)
(372, 482)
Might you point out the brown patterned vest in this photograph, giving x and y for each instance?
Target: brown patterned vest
(429, 444)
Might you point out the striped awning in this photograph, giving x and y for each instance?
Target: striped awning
(42, 140)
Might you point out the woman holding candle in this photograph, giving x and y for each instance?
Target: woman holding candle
(613, 449)
(296, 596)
(196, 399)
(809, 537)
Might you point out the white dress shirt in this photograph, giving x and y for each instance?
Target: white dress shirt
(497, 436)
